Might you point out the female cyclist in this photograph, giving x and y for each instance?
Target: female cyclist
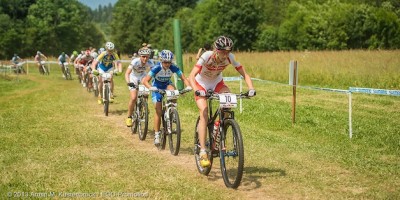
(206, 75)
(134, 74)
(161, 74)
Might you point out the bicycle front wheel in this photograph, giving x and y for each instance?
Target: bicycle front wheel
(163, 134)
(196, 149)
(174, 137)
(231, 154)
(106, 97)
(68, 74)
(46, 70)
(143, 119)
(95, 86)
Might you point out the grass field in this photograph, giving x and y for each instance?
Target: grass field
(56, 142)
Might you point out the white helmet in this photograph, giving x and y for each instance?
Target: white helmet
(110, 46)
(144, 51)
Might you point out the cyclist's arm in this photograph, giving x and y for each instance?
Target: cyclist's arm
(127, 74)
(180, 74)
(247, 78)
(192, 76)
(76, 60)
(119, 66)
(146, 80)
(185, 80)
(94, 64)
(118, 62)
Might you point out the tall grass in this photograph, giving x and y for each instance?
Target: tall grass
(334, 69)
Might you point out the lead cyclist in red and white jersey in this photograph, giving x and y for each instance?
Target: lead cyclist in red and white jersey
(206, 75)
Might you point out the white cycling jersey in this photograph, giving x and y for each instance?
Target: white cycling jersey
(210, 71)
(138, 70)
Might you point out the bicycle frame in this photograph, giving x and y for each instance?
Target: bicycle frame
(140, 119)
(170, 126)
(67, 73)
(229, 145)
(106, 81)
(45, 70)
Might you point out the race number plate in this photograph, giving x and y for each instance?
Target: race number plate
(106, 76)
(227, 100)
(172, 94)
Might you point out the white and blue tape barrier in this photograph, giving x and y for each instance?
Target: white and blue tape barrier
(375, 91)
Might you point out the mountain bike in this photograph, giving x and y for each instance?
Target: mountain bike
(106, 76)
(140, 118)
(95, 81)
(67, 72)
(224, 138)
(171, 125)
(43, 69)
(88, 79)
(18, 68)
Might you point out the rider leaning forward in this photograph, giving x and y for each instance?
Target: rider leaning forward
(206, 75)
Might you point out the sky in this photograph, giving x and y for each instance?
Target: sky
(93, 4)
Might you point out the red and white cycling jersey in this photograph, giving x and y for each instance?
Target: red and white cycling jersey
(210, 71)
(84, 59)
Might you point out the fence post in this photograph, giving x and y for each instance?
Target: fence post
(350, 119)
(293, 79)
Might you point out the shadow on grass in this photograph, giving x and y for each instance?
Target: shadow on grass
(119, 112)
(253, 175)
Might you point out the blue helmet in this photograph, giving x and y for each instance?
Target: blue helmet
(166, 56)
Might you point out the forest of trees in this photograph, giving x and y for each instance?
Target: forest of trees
(53, 26)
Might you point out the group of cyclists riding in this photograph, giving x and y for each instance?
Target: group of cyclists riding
(206, 75)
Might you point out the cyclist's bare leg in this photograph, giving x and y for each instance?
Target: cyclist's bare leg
(202, 126)
(62, 69)
(39, 67)
(157, 116)
(112, 85)
(100, 86)
(132, 102)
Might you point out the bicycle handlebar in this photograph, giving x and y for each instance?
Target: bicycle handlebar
(161, 91)
(214, 95)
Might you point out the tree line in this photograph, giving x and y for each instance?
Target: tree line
(49, 26)
(52, 26)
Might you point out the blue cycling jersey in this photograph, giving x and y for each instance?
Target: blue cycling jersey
(162, 77)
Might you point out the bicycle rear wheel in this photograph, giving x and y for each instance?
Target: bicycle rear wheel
(202, 170)
(143, 118)
(106, 97)
(231, 154)
(174, 137)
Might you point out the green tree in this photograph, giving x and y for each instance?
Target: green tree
(60, 25)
